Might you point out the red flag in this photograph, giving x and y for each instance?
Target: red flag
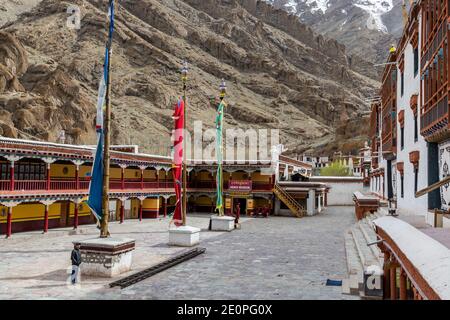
(177, 166)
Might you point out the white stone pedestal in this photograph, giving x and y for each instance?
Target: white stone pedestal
(184, 236)
(445, 222)
(222, 223)
(106, 257)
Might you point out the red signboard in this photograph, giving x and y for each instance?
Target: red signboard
(240, 185)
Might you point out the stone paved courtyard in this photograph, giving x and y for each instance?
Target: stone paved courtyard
(275, 258)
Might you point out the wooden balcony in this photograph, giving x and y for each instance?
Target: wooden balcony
(434, 121)
(82, 185)
(20, 186)
(434, 111)
(388, 133)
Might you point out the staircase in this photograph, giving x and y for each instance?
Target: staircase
(297, 209)
(359, 255)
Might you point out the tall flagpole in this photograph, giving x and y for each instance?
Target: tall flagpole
(104, 233)
(223, 92)
(184, 72)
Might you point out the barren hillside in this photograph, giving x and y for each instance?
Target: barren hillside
(280, 74)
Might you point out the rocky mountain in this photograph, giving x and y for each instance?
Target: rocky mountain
(280, 74)
(366, 27)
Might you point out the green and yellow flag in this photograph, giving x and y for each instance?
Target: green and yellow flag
(219, 151)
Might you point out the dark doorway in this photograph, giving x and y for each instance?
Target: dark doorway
(434, 197)
(242, 204)
(298, 177)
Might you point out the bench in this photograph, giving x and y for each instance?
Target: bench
(364, 204)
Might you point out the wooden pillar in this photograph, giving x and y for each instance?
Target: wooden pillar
(9, 223)
(122, 177)
(141, 204)
(75, 217)
(77, 177)
(48, 178)
(122, 210)
(387, 282)
(326, 199)
(165, 207)
(46, 218)
(402, 285)
(415, 293)
(142, 178)
(11, 178)
(157, 178)
(393, 283)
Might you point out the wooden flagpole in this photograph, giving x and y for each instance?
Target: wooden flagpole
(223, 92)
(184, 72)
(104, 233)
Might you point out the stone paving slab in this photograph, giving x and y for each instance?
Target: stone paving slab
(274, 258)
(37, 266)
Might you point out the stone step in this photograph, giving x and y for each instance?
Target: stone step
(351, 286)
(366, 255)
(367, 230)
(370, 236)
(346, 286)
(369, 220)
(354, 265)
(364, 297)
(381, 212)
(353, 283)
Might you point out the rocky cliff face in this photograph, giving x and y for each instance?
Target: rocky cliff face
(280, 74)
(366, 27)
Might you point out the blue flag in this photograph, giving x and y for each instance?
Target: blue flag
(95, 200)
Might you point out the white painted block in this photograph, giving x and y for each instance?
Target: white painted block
(222, 223)
(429, 218)
(184, 236)
(345, 286)
(446, 222)
(106, 257)
(311, 203)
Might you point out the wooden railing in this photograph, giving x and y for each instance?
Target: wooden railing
(262, 186)
(5, 185)
(64, 185)
(210, 184)
(30, 185)
(296, 208)
(433, 115)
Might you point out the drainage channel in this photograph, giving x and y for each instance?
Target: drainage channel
(147, 273)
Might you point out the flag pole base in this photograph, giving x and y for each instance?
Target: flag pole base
(184, 236)
(222, 223)
(106, 257)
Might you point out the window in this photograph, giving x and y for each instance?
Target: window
(416, 136)
(402, 83)
(402, 138)
(402, 179)
(416, 61)
(416, 179)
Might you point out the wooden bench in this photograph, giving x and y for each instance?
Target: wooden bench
(364, 204)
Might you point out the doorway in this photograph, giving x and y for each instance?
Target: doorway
(242, 204)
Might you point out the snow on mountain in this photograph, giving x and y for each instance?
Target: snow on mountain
(365, 27)
(375, 8)
(317, 5)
